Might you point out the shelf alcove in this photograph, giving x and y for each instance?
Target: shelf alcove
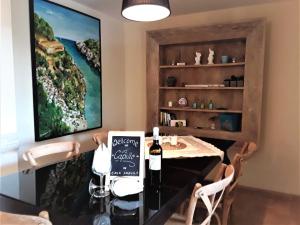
(243, 41)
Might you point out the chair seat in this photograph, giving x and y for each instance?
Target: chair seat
(211, 195)
(178, 219)
(18, 219)
(200, 214)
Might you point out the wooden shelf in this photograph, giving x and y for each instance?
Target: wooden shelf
(202, 66)
(228, 135)
(201, 88)
(187, 109)
(242, 41)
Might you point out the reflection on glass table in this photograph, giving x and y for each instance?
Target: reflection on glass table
(101, 167)
(63, 190)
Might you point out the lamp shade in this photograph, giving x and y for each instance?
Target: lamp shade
(145, 10)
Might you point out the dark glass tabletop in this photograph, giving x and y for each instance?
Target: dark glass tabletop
(62, 190)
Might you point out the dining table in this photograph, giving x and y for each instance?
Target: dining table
(63, 190)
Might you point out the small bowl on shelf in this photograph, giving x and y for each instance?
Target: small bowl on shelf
(224, 59)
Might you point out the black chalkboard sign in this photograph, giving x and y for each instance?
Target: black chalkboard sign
(127, 153)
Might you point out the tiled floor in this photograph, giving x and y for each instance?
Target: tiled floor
(255, 207)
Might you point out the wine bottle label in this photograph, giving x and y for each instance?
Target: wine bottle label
(155, 162)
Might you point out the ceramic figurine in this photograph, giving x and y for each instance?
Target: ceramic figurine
(198, 58)
(210, 58)
(213, 126)
(182, 102)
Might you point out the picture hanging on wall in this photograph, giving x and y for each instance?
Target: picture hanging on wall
(66, 68)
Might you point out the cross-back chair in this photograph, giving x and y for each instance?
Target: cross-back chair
(210, 195)
(238, 161)
(19, 219)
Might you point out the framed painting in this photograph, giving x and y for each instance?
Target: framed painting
(66, 69)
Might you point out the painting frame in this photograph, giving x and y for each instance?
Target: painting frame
(35, 83)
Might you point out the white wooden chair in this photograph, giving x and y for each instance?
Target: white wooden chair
(247, 150)
(19, 219)
(208, 194)
(71, 148)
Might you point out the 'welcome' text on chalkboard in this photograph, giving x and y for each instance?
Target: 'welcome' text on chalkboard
(125, 156)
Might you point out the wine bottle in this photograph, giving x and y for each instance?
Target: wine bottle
(155, 157)
(211, 105)
(154, 201)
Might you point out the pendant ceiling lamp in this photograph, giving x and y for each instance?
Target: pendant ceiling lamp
(145, 10)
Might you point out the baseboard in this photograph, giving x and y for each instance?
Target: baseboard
(269, 192)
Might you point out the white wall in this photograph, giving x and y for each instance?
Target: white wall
(7, 104)
(113, 99)
(8, 143)
(276, 166)
(112, 74)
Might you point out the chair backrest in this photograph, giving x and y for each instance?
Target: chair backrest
(70, 147)
(100, 137)
(19, 219)
(207, 194)
(239, 159)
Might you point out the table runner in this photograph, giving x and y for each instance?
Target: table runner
(194, 148)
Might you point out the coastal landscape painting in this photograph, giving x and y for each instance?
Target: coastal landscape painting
(66, 64)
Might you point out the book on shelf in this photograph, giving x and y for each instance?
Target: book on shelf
(166, 117)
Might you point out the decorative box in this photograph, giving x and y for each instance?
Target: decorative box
(227, 82)
(233, 81)
(171, 81)
(230, 121)
(240, 81)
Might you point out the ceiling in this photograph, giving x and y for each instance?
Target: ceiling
(178, 7)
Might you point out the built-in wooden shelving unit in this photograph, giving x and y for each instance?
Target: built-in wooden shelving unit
(244, 41)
